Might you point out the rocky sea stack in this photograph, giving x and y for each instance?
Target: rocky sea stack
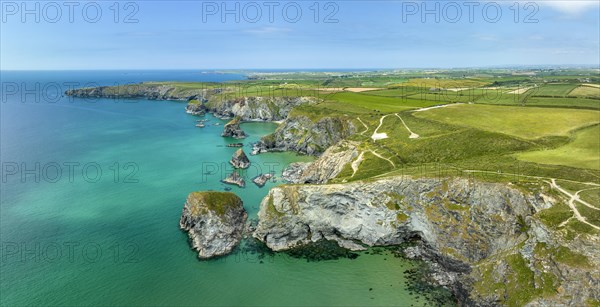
(214, 222)
(239, 159)
(232, 129)
(262, 179)
(235, 179)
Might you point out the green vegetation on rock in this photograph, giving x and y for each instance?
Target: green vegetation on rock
(215, 201)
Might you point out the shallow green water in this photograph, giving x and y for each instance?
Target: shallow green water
(117, 241)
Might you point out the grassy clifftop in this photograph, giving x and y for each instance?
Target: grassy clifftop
(215, 201)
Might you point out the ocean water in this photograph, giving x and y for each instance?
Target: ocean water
(91, 195)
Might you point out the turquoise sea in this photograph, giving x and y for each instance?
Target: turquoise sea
(91, 195)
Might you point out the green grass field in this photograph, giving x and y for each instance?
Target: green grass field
(378, 103)
(586, 91)
(582, 152)
(560, 90)
(526, 123)
(444, 83)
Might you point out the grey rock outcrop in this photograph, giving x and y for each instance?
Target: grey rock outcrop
(257, 108)
(326, 167)
(262, 179)
(214, 222)
(239, 159)
(195, 108)
(301, 134)
(293, 172)
(153, 91)
(479, 235)
(235, 179)
(232, 129)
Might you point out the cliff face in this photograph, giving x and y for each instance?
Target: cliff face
(301, 134)
(256, 108)
(214, 222)
(481, 234)
(327, 166)
(143, 90)
(247, 108)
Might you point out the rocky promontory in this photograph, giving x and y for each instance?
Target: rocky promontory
(195, 107)
(239, 159)
(326, 167)
(303, 135)
(214, 222)
(256, 107)
(232, 129)
(216, 100)
(149, 90)
(485, 239)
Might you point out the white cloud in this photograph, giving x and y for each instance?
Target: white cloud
(574, 7)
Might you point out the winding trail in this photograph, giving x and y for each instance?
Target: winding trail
(356, 163)
(412, 134)
(436, 107)
(379, 136)
(363, 123)
(584, 202)
(573, 198)
(382, 157)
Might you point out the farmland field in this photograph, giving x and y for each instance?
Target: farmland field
(526, 123)
(582, 152)
(586, 91)
(558, 90)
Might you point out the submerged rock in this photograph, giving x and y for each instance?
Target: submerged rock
(235, 179)
(232, 129)
(214, 222)
(239, 159)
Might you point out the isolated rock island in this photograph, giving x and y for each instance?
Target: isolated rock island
(214, 222)
(239, 159)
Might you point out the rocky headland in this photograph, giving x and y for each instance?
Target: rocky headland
(484, 238)
(256, 108)
(149, 90)
(194, 107)
(302, 134)
(214, 222)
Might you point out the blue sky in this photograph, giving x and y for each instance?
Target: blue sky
(367, 34)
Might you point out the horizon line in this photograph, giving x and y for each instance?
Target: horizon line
(523, 66)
